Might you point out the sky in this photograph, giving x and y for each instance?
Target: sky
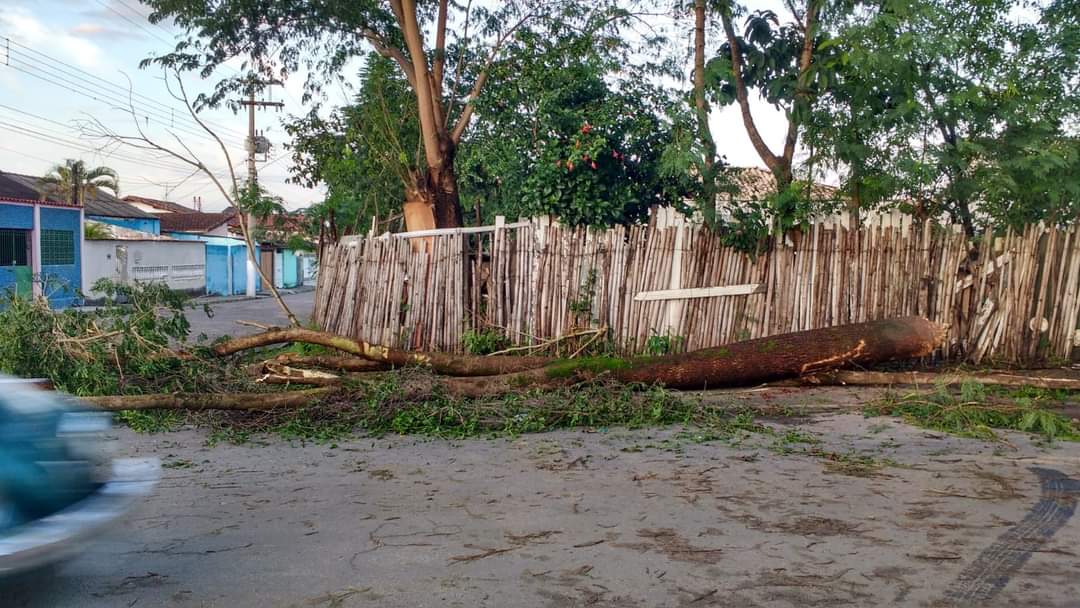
(67, 63)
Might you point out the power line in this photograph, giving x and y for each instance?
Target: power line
(102, 98)
(67, 71)
(34, 133)
(162, 161)
(132, 21)
(144, 17)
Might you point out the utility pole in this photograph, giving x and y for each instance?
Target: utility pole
(253, 174)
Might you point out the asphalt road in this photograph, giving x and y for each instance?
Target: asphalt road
(264, 310)
(618, 518)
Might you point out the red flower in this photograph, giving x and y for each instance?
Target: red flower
(586, 128)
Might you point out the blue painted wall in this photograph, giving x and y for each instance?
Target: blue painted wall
(221, 253)
(151, 225)
(20, 217)
(63, 283)
(217, 270)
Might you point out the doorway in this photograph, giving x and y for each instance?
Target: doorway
(15, 269)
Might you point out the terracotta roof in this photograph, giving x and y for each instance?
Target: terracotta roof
(756, 184)
(192, 222)
(292, 222)
(167, 206)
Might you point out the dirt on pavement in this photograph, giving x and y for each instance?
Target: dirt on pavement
(877, 513)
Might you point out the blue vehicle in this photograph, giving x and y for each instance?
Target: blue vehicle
(58, 489)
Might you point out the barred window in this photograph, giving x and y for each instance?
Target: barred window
(57, 247)
(13, 248)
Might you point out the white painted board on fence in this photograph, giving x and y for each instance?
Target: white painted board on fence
(969, 281)
(700, 292)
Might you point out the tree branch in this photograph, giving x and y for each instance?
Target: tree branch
(440, 50)
(806, 57)
(481, 79)
(391, 52)
(773, 162)
(414, 41)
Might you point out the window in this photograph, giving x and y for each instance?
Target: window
(13, 248)
(57, 247)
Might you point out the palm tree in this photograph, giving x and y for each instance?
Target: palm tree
(74, 183)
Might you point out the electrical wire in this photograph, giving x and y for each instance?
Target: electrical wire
(64, 71)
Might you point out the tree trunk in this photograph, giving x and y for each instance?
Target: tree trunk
(751, 362)
(443, 363)
(344, 364)
(442, 189)
(760, 360)
(701, 107)
(211, 401)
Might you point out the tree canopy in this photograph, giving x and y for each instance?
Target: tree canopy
(963, 110)
(74, 183)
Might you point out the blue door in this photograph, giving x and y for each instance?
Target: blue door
(239, 269)
(217, 270)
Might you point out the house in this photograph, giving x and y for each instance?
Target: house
(40, 242)
(128, 256)
(279, 256)
(195, 222)
(106, 208)
(755, 184)
(226, 255)
(156, 206)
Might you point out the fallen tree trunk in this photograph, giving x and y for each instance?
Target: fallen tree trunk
(442, 363)
(765, 359)
(863, 378)
(211, 401)
(737, 364)
(344, 364)
(741, 363)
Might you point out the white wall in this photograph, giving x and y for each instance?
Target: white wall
(222, 230)
(179, 264)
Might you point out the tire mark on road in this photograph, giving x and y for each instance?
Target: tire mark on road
(991, 571)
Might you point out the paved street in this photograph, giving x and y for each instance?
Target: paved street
(889, 515)
(260, 310)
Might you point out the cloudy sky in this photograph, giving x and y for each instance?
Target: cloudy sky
(64, 63)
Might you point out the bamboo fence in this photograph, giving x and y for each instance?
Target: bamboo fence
(1009, 299)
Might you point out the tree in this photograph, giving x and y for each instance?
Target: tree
(446, 72)
(776, 61)
(692, 148)
(247, 199)
(364, 153)
(951, 108)
(573, 127)
(73, 183)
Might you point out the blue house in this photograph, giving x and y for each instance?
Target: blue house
(41, 242)
(226, 255)
(108, 209)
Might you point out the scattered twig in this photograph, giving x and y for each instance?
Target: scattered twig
(486, 553)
